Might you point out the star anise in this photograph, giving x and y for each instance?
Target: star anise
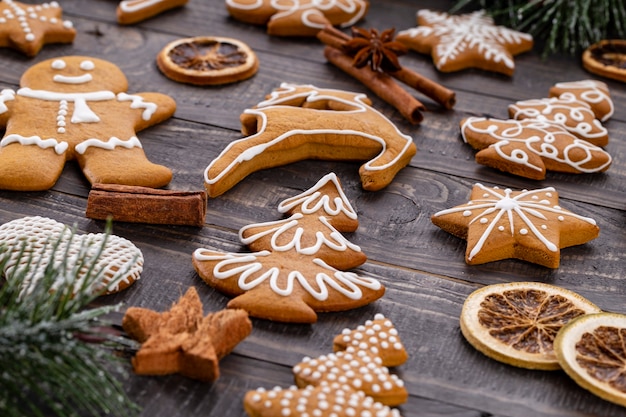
(379, 51)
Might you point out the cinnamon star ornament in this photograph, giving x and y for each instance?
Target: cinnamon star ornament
(181, 340)
(528, 225)
(464, 41)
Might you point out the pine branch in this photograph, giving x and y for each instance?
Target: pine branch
(46, 366)
(562, 26)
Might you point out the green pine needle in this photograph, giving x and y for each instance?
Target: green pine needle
(47, 368)
(561, 26)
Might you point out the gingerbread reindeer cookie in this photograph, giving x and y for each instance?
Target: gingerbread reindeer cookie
(299, 122)
(76, 107)
(27, 27)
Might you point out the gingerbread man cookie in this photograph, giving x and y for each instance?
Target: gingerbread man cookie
(528, 225)
(464, 41)
(299, 122)
(298, 267)
(298, 17)
(76, 107)
(27, 27)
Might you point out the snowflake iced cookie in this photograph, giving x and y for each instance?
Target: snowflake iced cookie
(76, 107)
(182, 340)
(574, 115)
(297, 267)
(594, 93)
(324, 400)
(528, 225)
(133, 11)
(464, 41)
(27, 27)
(298, 17)
(531, 147)
(298, 122)
(118, 260)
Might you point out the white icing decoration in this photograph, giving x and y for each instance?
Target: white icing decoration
(312, 94)
(347, 283)
(519, 208)
(58, 64)
(312, 200)
(87, 65)
(575, 116)
(592, 91)
(59, 147)
(6, 95)
(82, 113)
(457, 33)
(543, 145)
(119, 262)
(111, 144)
(77, 79)
(137, 102)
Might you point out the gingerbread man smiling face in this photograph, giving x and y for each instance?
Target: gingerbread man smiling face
(77, 107)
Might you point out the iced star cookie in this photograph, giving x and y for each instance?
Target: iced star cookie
(594, 93)
(298, 122)
(531, 147)
(456, 42)
(298, 17)
(574, 115)
(51, 243)
(133, 11)
(27, 27)
(298, 267)
(77, 108)
(528, 225)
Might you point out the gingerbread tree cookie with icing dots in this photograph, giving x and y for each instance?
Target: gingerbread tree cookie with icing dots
(464, 41)
(27, 27)
(76, 107)
(528, 225)
(298, 267)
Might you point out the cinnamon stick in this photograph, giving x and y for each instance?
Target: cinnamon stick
(335, 38)
(381, 84)
(135, 204)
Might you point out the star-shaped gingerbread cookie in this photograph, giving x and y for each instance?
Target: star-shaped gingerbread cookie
(528, 225)
(181, 340)
(464, 41)
(27, 27)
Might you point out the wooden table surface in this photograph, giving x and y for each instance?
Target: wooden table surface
(421, 266)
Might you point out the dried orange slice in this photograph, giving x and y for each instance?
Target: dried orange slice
(207, 60)
(592, 351)
(607, 58)
(516, 323)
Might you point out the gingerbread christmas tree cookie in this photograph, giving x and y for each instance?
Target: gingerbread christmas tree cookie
(27, 27)
(464, 41)
(77, 108)
(298, 265)
(528, 225)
